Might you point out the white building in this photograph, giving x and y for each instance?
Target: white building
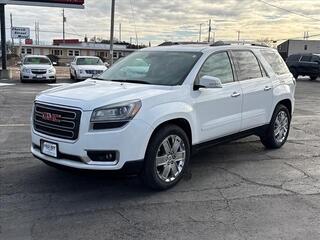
(65, 53)
(290, 47)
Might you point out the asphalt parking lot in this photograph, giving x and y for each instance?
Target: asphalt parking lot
(234, 191)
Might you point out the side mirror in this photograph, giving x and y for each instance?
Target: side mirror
(19, 63)
(54, 63)
(208, 82)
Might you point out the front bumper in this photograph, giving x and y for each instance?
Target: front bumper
(84, 76)
(129, 141)
(38, 77)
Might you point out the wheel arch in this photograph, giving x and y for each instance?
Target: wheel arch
(181, 122)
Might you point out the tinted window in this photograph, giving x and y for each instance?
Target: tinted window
(306, 59)
(219, 66)
(89, 61)
(153, 67)
(248, 66)
(315, 58)
(36, 60)
(275, 61)
(294, 58)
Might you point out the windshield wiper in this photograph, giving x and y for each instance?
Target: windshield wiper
(132, 81)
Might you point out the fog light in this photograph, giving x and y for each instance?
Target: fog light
(103, 156)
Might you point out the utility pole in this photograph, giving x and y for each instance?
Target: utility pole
(112, 29)
(209, 36)
(200, 32)
(11, 26)
(119, 32)
(239, 33)
(63, 27)
(3, 37)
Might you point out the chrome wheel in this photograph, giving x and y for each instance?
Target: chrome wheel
(281, 126)
(170, 158)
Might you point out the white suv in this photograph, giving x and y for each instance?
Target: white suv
(151, 110)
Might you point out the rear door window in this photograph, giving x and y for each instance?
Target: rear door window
(247, 64)
(306, 58)
(275, 61)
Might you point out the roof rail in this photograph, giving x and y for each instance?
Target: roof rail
(225, 43)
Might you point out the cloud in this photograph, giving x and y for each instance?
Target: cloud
(176, 20)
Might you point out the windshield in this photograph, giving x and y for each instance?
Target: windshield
(157, 68)
(89, 61)
(37, 60)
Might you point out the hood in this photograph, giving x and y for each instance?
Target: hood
(37, 66)
(92, 67)
(92, 94)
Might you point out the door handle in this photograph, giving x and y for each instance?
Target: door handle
(267, 88)
(235, 94)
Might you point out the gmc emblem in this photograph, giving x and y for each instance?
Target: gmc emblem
(51, 117)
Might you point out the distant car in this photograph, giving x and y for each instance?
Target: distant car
(304, 65)
(82, 68)
(39, 68)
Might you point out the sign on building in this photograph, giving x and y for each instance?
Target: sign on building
(20, 32)
(47, 3)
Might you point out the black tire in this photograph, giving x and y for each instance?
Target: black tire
(294, 73)
(71, 76)
(21, 79)
(268, 139)
(53, 81)
(150, 173)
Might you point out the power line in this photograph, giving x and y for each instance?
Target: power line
(289, 11)
(134, 22)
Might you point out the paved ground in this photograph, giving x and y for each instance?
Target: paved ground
(234, 191)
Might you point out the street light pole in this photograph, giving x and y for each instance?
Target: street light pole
(112, 29)
(3, 37)
(200, 32)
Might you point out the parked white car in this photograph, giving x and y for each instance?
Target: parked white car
(154, 108)
(37, 68)
(82, 68)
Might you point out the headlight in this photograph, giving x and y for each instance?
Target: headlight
(124, 111)
(51, 70)
(26, 70)
(81, 71)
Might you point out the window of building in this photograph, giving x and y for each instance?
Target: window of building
(275, 61)
(306, 58)
(101, 54)
(219, 66)
(115, 54)
(56, 52)
(248, 66)
(72, 53)
(29, 50)
(305, 47)
(23, 51)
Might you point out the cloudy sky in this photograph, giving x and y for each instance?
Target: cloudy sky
(175, 20)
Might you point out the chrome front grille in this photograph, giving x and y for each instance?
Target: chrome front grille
(94, 72)
(39, 71)
(57, 121)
